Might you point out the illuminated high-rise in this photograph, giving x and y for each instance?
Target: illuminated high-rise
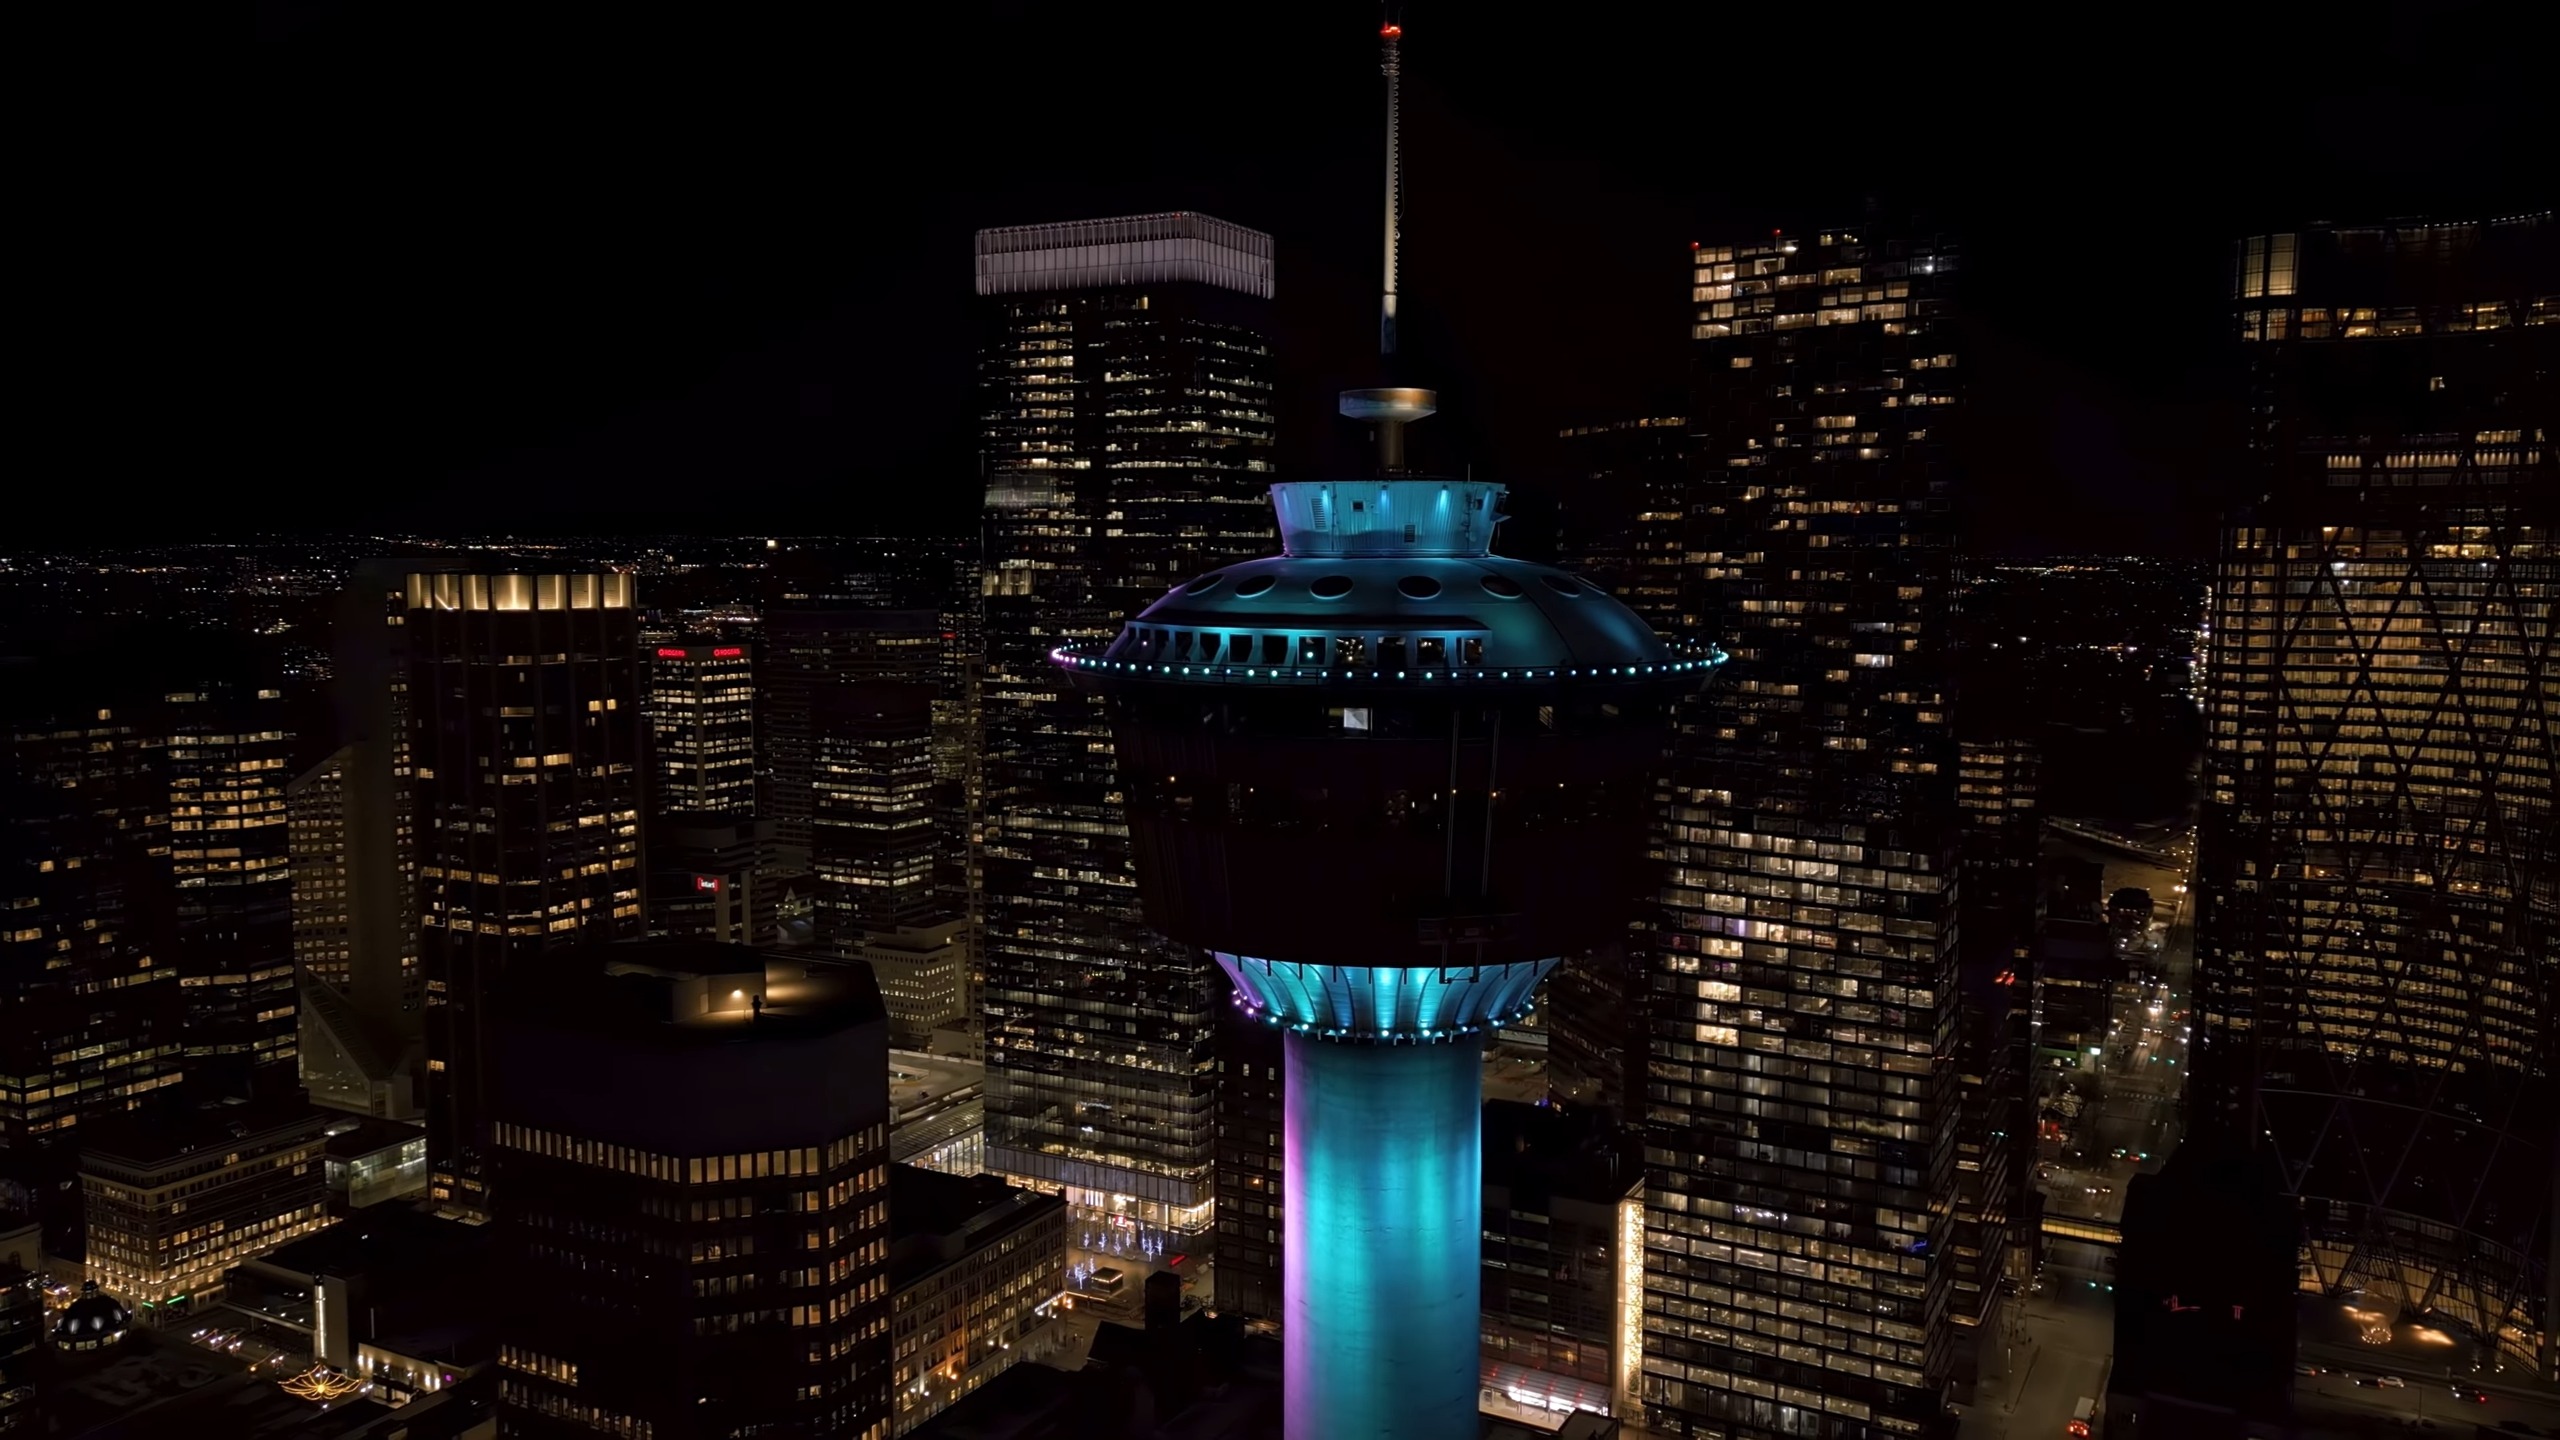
(702, 729)
(871, 821)
(2379, 865)
(1801, 1129)
(89, 1003)
(813, 644)
(524, 704)
(228, 760)
(1125, 433)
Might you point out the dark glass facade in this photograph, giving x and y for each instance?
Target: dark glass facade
(812, 646)
(530, 773)
(1125, 432)
(2379, 873)
(871, 821)
(1798, 1121)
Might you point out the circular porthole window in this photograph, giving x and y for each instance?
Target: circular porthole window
(1563, 585)
(1206, 583)
(1502, 587)
(1331, 587)
(1418, 587)
(1252, 585)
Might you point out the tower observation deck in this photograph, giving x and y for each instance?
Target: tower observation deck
(1388, 779)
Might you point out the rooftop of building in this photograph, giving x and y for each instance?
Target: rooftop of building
(1172, 247)
(161, 1135)
(1206, 1379)
(921, 1083)
(935, 1217)
(1548, 1151)
(352, 1136)
(381, 1238)
(158, 1387)
(933, 940)
(681, 994)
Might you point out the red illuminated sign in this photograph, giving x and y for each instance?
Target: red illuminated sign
(707, 884)
(665, 654)
(728, 652)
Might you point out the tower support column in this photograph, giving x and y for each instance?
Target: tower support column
(1384, 1216)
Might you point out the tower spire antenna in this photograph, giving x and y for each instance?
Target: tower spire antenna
(1391, 65)
(1391, 407)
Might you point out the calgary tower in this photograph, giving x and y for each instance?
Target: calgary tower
(1387, 778)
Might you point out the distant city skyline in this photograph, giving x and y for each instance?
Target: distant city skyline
(693, 312)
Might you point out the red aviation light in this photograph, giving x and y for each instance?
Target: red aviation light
(1390, 32)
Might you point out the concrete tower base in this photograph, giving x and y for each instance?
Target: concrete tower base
(1385, 1208)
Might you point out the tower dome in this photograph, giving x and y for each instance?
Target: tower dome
(94, 1321)
(1387, 740)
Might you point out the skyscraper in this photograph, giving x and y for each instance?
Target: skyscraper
(692, 1165)
(1801, 1132)
(811, 645)
(315, 825)
(524, 697)
(871, 822)
(354, 841)
(229, 764)
(2379, 866)
(89, 1008)
(1622, 523)
(702, 729)
(1125, 436)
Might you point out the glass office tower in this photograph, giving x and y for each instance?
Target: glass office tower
(702, 724)
(1126, 427)
(1804, 970)
(530, 776)
(2379, 868)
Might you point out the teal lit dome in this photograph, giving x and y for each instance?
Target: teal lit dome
(1387, 580)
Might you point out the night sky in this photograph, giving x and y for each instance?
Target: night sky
(706, 268)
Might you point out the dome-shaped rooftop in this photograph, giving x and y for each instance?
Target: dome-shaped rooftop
(95, 1319)
(1389, 580)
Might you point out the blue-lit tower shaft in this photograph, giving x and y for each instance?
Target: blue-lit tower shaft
(1386, 779)
(1382, 1267)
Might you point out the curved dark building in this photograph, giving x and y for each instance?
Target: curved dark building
(1387, 778)
(694, 1145)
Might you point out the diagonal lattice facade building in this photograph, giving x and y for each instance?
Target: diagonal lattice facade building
(2380, 871)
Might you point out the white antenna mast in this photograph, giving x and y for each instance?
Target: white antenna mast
(1391, 65)
(1392, 407)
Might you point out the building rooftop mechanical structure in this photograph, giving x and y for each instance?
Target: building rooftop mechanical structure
(1387, 779)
